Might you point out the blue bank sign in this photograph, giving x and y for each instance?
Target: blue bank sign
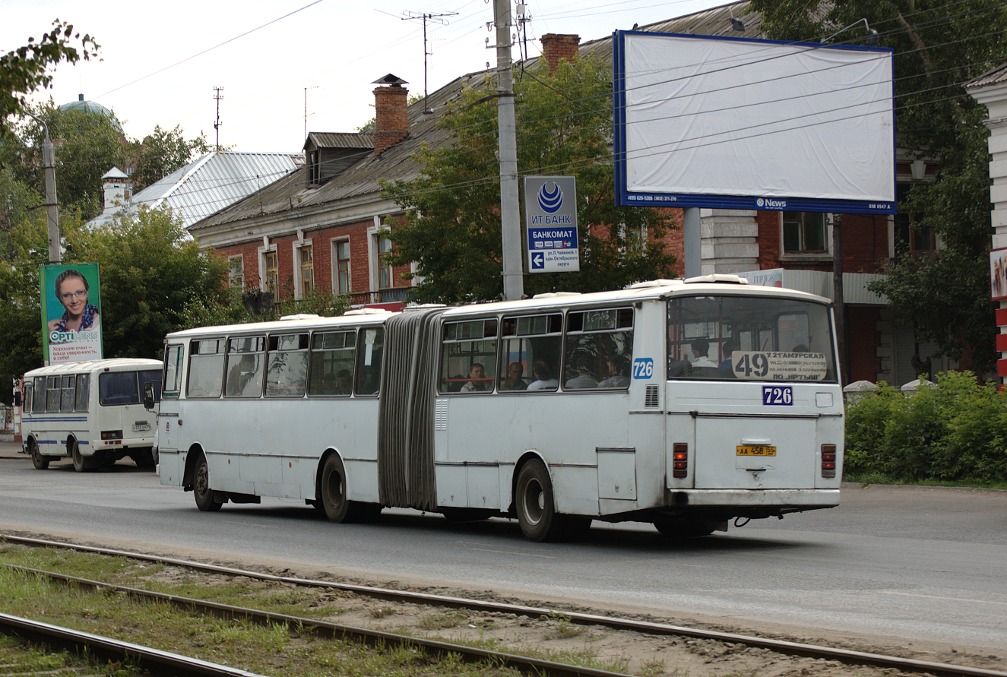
(551, 221)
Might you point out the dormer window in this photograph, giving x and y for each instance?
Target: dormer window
(314, 167)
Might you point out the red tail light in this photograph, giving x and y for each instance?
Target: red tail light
(828, 461)
(680, 460)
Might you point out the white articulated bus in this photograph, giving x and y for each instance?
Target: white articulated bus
(91, 412)
(685, 404)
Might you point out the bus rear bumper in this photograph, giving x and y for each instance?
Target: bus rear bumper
(784, 500)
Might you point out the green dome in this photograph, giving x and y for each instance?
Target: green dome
(90, 107)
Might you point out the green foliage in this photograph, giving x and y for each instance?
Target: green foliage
(452, 226)
(150, 272)
(27, 69)
(87, 145)
(953, 431)
(937, 51)
(162, 152)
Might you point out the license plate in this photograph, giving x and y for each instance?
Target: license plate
(756, 450)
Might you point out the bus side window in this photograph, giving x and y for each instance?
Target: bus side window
(469, 356)
(245, 366)
(38, 395)
(287, 366)
(599, 348)
(331, 363)
(533, 342)
(369, 360)
(83, 391)
(52, 393)
(67, 395)
(206, 368)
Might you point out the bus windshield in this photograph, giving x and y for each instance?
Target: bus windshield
(750, 338)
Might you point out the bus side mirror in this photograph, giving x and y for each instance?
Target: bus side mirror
(148, 396)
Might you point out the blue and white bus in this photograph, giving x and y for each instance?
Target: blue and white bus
(91, 412)
(684, 404)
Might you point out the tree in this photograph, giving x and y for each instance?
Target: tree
(162, 152)
(451, 227)
(87, 145)
(938, 49)
(151, 272)
(26, 69)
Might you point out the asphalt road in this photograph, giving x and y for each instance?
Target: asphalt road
(903, 565)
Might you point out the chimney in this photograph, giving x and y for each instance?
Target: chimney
(557, 47)
(391, 124)
(118, 190)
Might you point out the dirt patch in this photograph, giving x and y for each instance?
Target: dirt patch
(558, 637)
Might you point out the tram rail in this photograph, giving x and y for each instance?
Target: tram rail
(524, 664)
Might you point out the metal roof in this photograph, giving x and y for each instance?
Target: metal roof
(212, 182)
(994, 77)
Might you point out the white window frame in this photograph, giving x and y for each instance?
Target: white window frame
(239, 269)
(829, 220)
(264, 251)
(334, 244)
(300, 245)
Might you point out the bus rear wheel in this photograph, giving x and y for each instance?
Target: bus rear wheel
(536, 509)
(201, 487)
(336, 506)
(80, 464)
(37, 459)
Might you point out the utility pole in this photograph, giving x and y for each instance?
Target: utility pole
(51, 205)
(510, 214)
(216, 125)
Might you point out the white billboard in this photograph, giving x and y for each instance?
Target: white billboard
(735, 123)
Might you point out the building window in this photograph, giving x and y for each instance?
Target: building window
(341, 255)
(272, 278)
(306, 268)
(236, 272)
(911, 237)
(314, 168)
(804, 233)
(386, 279)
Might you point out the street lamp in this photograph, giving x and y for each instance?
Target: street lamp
(49, 167)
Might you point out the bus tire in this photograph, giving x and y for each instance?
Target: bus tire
(534, 503)
(37, 459)
(201, 487)
(80, 464)
(336, 506)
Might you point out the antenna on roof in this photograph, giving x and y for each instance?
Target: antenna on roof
(216, 125)
(426, 17)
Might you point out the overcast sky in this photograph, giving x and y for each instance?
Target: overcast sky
(286, 64)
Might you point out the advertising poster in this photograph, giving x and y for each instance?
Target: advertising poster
(71, 312)
(998, 274)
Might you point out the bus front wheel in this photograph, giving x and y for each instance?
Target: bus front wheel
(37, 459)
(536, 511)
(201, 487)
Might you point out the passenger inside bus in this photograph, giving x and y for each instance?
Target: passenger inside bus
(344, 382)
(701, 355)
(726, 350)
(583, 378)
(543, 377)
(477, 380)
(615, 373)
(514, 379)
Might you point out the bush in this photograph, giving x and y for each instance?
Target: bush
(952, 431)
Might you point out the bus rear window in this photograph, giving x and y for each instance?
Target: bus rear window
(749, 338)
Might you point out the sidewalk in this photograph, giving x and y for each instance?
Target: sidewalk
(9, 448)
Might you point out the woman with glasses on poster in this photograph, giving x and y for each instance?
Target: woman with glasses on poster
(72, 290)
